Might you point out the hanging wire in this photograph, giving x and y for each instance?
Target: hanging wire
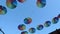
(1, 31)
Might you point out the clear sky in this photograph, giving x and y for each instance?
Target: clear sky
(14, 17)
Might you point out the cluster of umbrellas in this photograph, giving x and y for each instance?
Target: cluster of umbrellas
(10, 4)
(22, 27)
(13, 4)
(40, 3)
(28, 20)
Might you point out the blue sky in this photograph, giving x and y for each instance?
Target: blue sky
(14, 17)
